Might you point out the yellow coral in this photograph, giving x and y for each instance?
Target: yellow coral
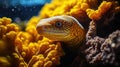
(30, 44)
(49, 57)
(102, 9)
(4, 21)
(33, 52)
(80, 9)
(8, 32)
(27, 45)
(74, 8)
(7, 28)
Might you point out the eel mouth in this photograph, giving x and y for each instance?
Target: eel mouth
(51, 34)
(43, 31)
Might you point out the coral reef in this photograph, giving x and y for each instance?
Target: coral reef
(29, 49)
(101, 50)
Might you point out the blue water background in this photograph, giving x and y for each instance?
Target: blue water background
(23, 9)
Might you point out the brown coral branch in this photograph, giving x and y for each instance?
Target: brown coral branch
(92, 30)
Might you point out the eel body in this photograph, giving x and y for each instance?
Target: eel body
(62, 28)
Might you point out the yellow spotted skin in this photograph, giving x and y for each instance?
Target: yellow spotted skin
(77, 35)
(62, 28)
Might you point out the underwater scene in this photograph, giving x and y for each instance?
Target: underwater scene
(59, 33)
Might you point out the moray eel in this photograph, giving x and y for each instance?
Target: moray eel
(66, 29)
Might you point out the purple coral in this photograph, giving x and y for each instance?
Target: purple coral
(101, 50)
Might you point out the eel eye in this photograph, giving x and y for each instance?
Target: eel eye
(58, 24)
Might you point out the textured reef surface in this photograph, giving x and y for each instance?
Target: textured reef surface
(27, 48)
